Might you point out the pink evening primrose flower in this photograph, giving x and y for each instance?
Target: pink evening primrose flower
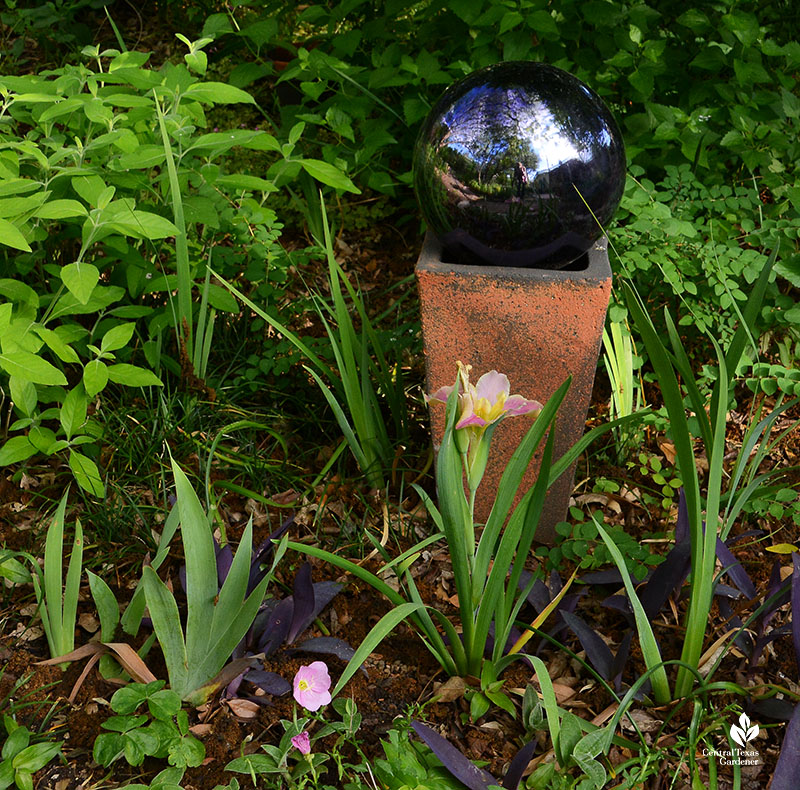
(302, 743)
(486, 402)
(311, 686)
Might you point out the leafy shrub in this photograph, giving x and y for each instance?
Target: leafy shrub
(113, 201)
(706, 97)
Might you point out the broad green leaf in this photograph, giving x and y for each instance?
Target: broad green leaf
(41, 438)
(90, 188)
(144, 158)
(14, 571)
(144, 224)
(55, 342)
(86, 473)
(31, 367)
(221, 299)
(108, 747)
(16, 742)
(164, 704)
(10, 236)
(201, 573)
(132, 376)
(95, 377)
(16, 449)
(117, 337)
(18, 292)
(36, 756)
(328, 174)
(24, 395)
(61, 209)
(17, 186)
(72, 414)
(243, 181)
(218, 93)
(80, 279)
(17, 206)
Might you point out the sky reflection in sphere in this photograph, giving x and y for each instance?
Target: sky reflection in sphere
(513, 162)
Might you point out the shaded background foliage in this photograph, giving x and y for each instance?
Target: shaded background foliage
(706, 97)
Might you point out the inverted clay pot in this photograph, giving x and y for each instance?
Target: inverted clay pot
(538, 326)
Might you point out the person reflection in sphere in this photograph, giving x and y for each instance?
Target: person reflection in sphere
(520, 179)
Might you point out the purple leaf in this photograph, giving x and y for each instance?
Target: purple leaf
(621, 658)
(224, 562)
(785, 776)
(795, 598)
(538, 596)
(262, 555)
(774, 586)
(456, 763)
(324, 593)
(736, 573)
(518, 766)
(667, 577)
(597, 651)
(750, 533)
(273, 633)
(743, 640)
(618, 602)
(328, 645)
(233, 687)
(611, 576)
(774, 708)
(726, 591)
(269, 681)
(303, 595)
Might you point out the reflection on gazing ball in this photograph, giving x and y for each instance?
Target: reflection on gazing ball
(516, 165)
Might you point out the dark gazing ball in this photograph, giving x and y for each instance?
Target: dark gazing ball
(516, 165)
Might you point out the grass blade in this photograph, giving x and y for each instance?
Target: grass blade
(379, 631)
(647, 640)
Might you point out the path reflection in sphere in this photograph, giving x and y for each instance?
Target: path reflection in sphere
(516, 165)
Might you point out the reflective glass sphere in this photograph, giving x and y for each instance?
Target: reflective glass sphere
(516, 165)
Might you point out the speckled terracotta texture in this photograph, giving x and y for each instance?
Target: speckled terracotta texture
(536, 326)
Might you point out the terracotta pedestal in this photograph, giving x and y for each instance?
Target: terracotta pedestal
(538, 327)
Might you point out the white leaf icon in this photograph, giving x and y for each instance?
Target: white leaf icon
(743, 733)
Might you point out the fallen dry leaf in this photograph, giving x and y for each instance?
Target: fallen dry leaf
(243, 708)
(451, 690)
(88, 622)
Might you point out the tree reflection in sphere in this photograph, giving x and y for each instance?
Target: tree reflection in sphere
(519, 164)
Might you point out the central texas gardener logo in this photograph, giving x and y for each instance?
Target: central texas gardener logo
(743, 732)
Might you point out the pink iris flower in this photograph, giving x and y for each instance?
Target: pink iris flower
(312, 686)
(480, 406)
(302, 742)
(486, 402)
